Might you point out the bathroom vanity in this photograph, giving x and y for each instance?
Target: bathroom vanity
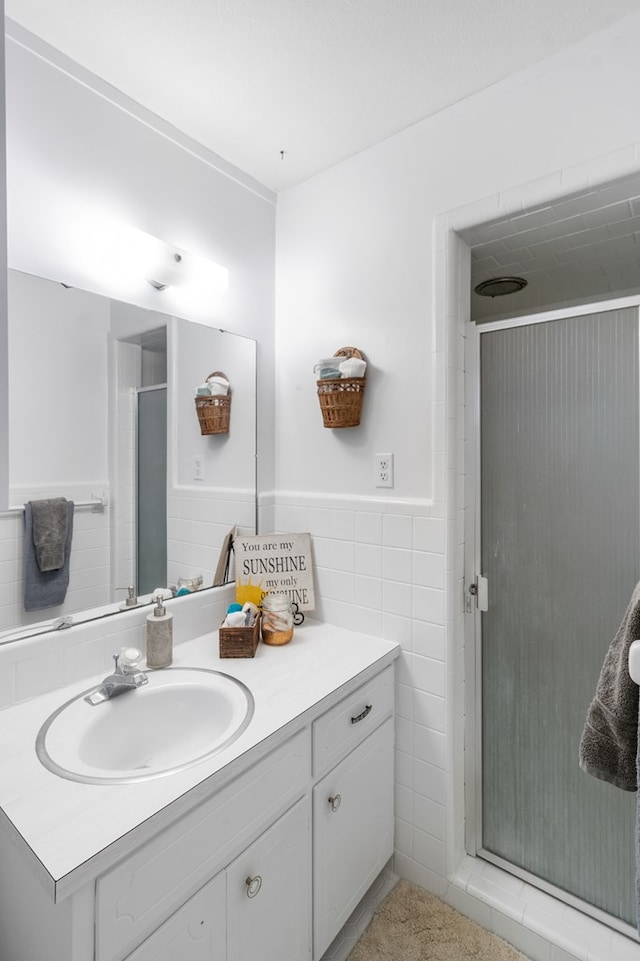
(259, 852)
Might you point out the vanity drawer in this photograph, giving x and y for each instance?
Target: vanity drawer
(348, 723)
(144, 889)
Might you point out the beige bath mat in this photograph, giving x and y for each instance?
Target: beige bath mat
(411, 925)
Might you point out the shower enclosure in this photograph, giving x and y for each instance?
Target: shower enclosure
(557, 525)
(151, 489)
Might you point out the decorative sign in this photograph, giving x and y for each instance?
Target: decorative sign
(278, 563)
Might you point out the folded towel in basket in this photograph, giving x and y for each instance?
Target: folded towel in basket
(609, 742)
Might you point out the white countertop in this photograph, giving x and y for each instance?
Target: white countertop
(71, 831)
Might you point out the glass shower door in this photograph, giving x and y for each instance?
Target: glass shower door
(560, 546)
(152, 489)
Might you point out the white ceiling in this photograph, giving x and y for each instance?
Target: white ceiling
(585, 247)
(317, 79)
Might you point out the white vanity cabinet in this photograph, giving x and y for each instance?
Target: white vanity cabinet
(352, 804)
(256, 827)
(241, 914)
(267, 908)
(265, 858)
(269, 893)
(196, 932)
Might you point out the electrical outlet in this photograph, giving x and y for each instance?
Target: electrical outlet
(198, 468)
(383, 470)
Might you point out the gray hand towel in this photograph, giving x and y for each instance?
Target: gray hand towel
(609, 743)
(49, 532)
(44, 589)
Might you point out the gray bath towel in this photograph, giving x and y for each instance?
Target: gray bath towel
(49, 532)
(45, 588)
(637, 839)
(609, 743)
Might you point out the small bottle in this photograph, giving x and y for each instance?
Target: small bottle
(277, 619)
(159, 636)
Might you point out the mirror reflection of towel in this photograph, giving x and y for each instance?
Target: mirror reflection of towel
(49, 532)
(45, 588)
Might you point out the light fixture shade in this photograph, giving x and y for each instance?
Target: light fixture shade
(133, 255)
(168, 270)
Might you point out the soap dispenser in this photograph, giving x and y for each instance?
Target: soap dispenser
(159, 636)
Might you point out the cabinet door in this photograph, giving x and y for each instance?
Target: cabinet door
(269, 893)
(138, 894)
(353, 832)
(196, 932)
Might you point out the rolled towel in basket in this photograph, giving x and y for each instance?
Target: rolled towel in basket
(218, 385)
(352, 367)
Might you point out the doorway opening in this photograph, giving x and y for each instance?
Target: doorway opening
(573, 252)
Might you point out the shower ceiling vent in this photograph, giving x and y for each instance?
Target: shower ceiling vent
(499, 286)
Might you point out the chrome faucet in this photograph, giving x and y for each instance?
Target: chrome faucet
(117, 683)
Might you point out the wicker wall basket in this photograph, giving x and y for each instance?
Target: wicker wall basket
(341, 397)
(214, 412)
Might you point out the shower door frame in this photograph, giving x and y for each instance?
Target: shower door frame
(472, 616)
(152, 388)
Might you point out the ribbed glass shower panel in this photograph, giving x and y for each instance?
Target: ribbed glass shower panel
(152, 489)
(560, 546)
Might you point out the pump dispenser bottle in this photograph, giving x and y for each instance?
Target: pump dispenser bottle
(159, 636)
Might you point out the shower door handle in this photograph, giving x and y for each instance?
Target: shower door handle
(480, 590)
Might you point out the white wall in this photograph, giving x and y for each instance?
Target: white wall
(366, 257)
(58, 387)
(79, 154)
(4, 362)
(356, 246)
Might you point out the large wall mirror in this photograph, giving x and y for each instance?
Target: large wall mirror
(103, 368)
(102, 412)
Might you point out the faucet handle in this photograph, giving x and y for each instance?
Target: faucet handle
(129, 660)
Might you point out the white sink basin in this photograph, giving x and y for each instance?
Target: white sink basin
(181, 717)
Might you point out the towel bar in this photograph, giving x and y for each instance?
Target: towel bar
(97, 506)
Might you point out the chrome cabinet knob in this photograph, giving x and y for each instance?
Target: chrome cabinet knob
(253, 885)
(334, 802)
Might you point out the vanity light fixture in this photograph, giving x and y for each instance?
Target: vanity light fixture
(136, 256)
(169, 277)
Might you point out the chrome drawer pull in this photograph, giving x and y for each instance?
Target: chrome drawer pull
(253, 886)
(361, 717)
(335, 802)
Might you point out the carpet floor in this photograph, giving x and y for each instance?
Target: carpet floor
(412, 925)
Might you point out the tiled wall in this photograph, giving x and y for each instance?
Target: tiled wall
(89, 563)
(48, 661)
(380, 569)
(197, 523)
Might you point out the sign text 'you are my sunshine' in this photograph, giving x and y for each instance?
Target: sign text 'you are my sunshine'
(279, 563)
